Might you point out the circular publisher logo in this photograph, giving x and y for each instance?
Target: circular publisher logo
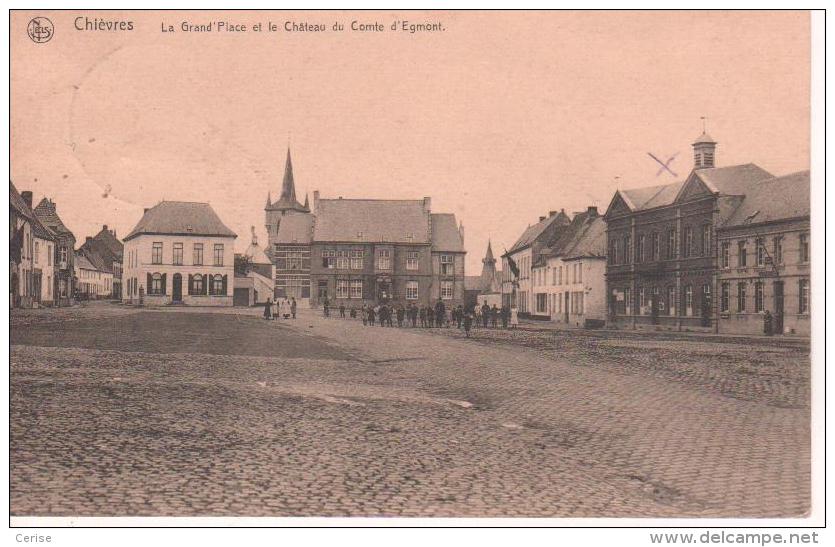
(40, 30)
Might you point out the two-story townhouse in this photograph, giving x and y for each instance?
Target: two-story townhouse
(661, 251)
(448, 256)
(576, 273)
(179, 253)
(764, 259)
(64, 278)
(518, 290)
(21, 244)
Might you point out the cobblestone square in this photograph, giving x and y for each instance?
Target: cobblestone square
(122, 411)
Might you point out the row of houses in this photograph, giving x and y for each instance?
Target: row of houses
(724, 250)
(45, 269)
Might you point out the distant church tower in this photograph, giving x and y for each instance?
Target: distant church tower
(488, 282)
(287, 203)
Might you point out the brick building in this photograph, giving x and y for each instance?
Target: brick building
(662, 258)
(363, 251)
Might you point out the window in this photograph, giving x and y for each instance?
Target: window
(778, 250)
(37, 251)
(156, 284)
(639, 248)
(384, 259)
(742, 255)
(688, 242)
(63, 256)
(218, 256)
(760, 250)
(706, 239)
(627, 249)
(740, 297)
(356, 288)
(156, 253)
(217, 283)
(554, 276)
(613, 251)
(197, 254)
(446, 290)
(758, 296)
(655, 245)
(672, 244)
(178, 254)
(804, 248)
(447, 265)
(329, 259)
(342, 288)
(726, 254)
(49, 255)
(343, 261)
(688, 300)
(356, 261)
(197, 284)
(627, 300)
(803, 296)
(642, 301)
(580, 272)
(541, 302)
(671, 300)
(411, 290)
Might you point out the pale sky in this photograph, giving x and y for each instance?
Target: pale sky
(499, 118)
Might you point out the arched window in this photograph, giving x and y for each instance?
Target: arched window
(217, 284)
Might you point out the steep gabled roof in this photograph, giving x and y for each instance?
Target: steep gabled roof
(445, 234)
(181, 218)
(83, 263)
(774, 199)
(533, 233)
(590, 239)
(106, 238)
(47, 212)
(17, 203)
(372, 220)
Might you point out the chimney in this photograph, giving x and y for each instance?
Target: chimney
(461, 231)
(104, 227)
(146, 210)
(315, 201)
(592, 211)
(88, 239)
(551, 213)
(541, 219)
(427, 204)
(27, 197)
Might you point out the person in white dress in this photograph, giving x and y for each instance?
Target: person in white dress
(514, 318)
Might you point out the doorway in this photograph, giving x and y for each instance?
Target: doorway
(778, 306)
(178, 288)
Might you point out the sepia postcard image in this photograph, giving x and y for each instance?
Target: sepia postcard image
(505, 264)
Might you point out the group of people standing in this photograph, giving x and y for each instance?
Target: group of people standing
(437, 316)
(280, 308)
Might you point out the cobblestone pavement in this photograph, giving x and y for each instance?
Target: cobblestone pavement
(327, 417)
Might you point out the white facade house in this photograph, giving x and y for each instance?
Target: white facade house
(569, 283)
(179, 253)
(43, 253)
(92, 283)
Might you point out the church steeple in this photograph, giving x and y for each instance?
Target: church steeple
(269, 200)
(306, 202)
(488, 257)
(288, 187)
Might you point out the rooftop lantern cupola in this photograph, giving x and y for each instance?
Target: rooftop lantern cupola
(704, 152)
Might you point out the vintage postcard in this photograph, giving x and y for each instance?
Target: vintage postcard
(546, 264)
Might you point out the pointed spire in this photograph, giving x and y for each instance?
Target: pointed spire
(306, 202)
(489, 256)
(269, 200)
(288, 187)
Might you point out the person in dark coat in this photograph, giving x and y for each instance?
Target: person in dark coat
(413, 314)
(422, 313)
(268, 309)
(326, 306)
(440, 313)
(468, 319)
(342, 311)
(293, 307)
(371, 315)
(494, 316)
(401, 314)
(505, 313)
(485, 314)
